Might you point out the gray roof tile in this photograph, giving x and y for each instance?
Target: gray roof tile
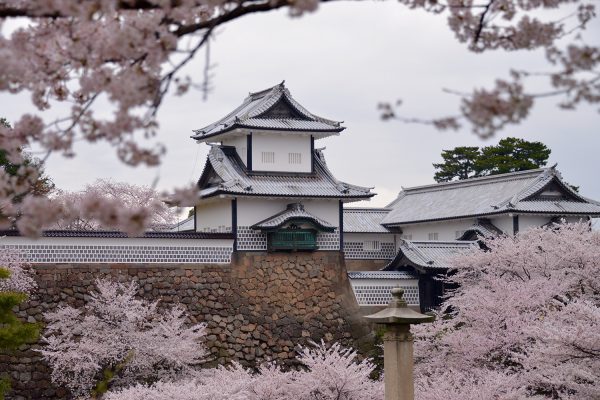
(382, 275)
(234, 179)
(254, 113)
(116, 234)
(365, 220)
(488, 195)
(294, 211)
(428, 254)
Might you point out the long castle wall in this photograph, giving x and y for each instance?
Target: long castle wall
(257, 308)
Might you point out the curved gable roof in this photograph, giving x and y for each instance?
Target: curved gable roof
(489, 195)
(270, 109)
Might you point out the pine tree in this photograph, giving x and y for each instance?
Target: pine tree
(13, 332)
(458, 163)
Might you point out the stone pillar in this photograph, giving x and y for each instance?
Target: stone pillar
(398, 363)
(398, 346)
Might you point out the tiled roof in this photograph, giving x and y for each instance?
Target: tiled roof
(496, 194)
(428, 254)
(483, 227)
(231, 177)
(382, 275)
(257, 112)
(293, 212)
(365, 220)
(115, 234)
(183, 226)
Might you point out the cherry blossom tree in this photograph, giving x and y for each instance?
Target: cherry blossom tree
(123, 197)
(117, 340)
(130, 53)
(523, 322)
(332, 373)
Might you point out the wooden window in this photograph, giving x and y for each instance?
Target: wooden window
(268, 157)
(433, 236)
(371, 245)
(295, 158)
(406, 237)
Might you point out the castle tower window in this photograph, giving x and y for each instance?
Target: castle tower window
(295, 158)
(268, 157)
(433, 236)
(371, 245)
(293, 229)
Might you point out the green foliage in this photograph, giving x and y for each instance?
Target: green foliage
(13, 332)
(509, 155)
(4, 386)
(44, 184)
(108, 375)
(458, 163)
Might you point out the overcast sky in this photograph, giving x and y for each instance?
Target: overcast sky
(339, 63)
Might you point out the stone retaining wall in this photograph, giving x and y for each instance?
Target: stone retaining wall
(258, 308)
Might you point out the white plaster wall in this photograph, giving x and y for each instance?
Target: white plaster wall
(281, 145)
(253, 210)
(240, 143)
(214, 215)
(504, 223)
(446, 229)
(361, 237)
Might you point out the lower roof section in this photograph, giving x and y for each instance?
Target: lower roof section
(226, 174)
(116, 234)
(428, 255)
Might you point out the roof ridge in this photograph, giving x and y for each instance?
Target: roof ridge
(367, 209)
(261, 93)
(475, 181)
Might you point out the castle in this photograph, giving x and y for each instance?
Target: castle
(274, 256)
(266, 188)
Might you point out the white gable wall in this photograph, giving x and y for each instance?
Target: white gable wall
(240, 143)
(446, 230)
(279, 147)
(253, 210)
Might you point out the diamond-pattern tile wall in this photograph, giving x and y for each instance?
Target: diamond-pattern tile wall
(122, 254)
(379, 294)
(355, 250)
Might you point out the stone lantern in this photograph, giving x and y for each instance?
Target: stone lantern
(398, 345)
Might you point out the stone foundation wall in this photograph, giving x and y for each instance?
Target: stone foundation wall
(257, 308)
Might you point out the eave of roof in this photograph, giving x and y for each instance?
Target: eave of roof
(384, 275)
(293, 212)
(251, 115)
(491, 214)
(486, 196)
(116, 234)
(236, 180)
(428, 255)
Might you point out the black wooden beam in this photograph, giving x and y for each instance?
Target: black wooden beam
(249, 152)
(234, 222)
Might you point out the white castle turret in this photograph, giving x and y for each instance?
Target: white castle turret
(265, 182)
